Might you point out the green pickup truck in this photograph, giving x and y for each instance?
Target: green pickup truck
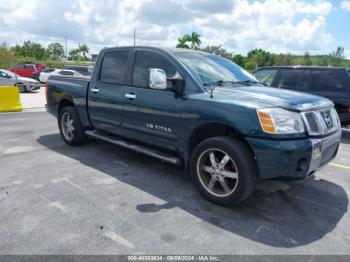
(200, 111)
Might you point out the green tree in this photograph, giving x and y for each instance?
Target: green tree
(55, 50)
(194, 39)
(307, 60)
(336, 58)
(261, 57)
(182, 42)
(74, 54)
(7, 56)
(239, 60)
(84, 49)
(283, 59)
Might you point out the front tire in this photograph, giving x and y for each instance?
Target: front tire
(22, 88)
(224, 170)
(71, 130)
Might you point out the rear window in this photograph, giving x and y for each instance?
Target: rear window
(294, 79)
(66, 73)
(49, 70)
(324, 80)
(113, 67)
(266, 76)
(29, 67)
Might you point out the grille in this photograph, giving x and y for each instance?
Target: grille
(321, 122)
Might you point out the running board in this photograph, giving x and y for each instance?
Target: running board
(138, 148)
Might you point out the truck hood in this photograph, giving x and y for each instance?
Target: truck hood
(291, 100)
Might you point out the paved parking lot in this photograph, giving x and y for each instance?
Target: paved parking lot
(101, 199)
(33, 101)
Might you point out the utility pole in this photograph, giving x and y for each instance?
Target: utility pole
(134, 36)
(65, 44)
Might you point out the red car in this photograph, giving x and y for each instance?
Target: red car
(27, 70)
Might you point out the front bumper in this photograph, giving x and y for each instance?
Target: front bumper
(295, 159)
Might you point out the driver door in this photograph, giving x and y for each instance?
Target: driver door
(156, 120)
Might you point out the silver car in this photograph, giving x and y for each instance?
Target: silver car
(25, 84)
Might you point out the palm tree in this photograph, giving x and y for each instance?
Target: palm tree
(182, 42)
(194, 38)
(84, 49)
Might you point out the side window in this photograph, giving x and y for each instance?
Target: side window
(326, 80)
(3, 75)
(147, 60)
(266, 76)
(113, 67)
(294, 79)
(66, 73)
(29, 67)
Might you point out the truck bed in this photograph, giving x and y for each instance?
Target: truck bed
(74, 88)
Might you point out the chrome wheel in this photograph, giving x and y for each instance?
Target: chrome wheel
(21, 88)
(217, 172)
(67, 125)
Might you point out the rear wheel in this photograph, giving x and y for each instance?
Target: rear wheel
(70, 127)
(224, 170)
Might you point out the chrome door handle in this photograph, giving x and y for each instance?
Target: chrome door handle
(130, 96)
(95, 90)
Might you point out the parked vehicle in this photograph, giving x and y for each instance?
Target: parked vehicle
(330, 82)
(44, 75)
(25, 84)
(199, 110)
(84, 70)
(26, 70)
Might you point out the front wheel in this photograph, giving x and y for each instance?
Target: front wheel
(224, 170)
(22, 88)
(70, 127)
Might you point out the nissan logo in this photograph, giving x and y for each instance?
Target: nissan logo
(328, 120)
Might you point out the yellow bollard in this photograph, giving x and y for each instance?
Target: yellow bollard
(9, 99)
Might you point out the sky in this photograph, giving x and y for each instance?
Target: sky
(314, 26)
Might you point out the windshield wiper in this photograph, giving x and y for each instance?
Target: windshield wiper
(248, 82)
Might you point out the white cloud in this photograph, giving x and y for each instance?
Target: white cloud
(239, 25)
(345, 5)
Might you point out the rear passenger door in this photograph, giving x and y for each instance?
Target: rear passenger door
(106, 100)
(156, 121)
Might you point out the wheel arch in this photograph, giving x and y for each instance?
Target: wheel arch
(209, 130)
(66, 101)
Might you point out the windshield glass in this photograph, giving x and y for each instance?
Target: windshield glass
(208, 68)
(13, 75)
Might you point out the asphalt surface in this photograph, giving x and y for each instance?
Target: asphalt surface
(102, 199)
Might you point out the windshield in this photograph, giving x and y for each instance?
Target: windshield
(208, 68)
(13, 75)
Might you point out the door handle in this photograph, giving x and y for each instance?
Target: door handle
(131, 96)
(95, 90)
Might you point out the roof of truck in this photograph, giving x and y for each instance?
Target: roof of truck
(166, 49)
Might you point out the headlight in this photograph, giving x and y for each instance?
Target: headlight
(280, 121)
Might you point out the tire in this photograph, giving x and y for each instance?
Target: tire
(73, 133)
(22, 88)
(234, 165)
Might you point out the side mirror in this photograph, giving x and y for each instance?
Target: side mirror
(157, 79)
